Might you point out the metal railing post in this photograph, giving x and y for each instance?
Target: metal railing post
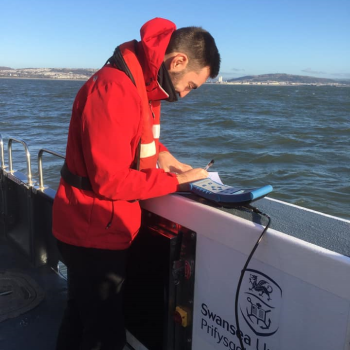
(29, 171)
(40, 165)
(2, 153)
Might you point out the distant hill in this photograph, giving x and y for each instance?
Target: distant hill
(286, 78)
(83, 71)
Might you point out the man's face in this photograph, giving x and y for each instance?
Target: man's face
(188, 80)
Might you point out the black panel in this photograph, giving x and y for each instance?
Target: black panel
(149, 288)
(18, 214)
(44, 243)
(2, 205)
(160, 284)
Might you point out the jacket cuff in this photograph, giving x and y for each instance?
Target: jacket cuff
(162, 148)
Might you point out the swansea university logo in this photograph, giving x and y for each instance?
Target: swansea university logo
(260, 303)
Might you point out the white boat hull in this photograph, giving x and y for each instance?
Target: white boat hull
(303, 298)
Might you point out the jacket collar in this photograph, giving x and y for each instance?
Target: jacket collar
(155, 37)
(166, 84)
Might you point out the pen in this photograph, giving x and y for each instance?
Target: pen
(209, 164)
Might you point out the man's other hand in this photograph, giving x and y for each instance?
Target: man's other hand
(169, 163)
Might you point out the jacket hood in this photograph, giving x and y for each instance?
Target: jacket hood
(155, 38)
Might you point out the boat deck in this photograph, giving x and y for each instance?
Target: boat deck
(36, 329)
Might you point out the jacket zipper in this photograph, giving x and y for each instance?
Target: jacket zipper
(112, 216)
(150, 106)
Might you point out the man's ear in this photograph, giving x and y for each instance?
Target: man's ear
(178, 62)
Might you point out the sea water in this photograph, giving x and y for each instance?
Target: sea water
(295, 138)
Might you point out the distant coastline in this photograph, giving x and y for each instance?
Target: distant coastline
(47, 73)
(83, 74)
(282, 79)
(36, 78)
(286, 83)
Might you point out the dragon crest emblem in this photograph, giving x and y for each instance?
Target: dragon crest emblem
(262, 286)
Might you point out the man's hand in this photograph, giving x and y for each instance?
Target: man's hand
(190, 176)
(184, 172)
(169, 163)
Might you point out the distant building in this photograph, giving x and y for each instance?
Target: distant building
(220, 80)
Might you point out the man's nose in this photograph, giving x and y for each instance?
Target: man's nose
(183, 94)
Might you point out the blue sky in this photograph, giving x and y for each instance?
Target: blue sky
(304, 37)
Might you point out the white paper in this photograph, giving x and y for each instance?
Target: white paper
(214, 175)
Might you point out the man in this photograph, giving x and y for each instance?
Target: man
(113, 159)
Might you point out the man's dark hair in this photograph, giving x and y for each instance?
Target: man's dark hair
(199, 46)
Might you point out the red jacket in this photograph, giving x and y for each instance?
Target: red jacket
(110, 116)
